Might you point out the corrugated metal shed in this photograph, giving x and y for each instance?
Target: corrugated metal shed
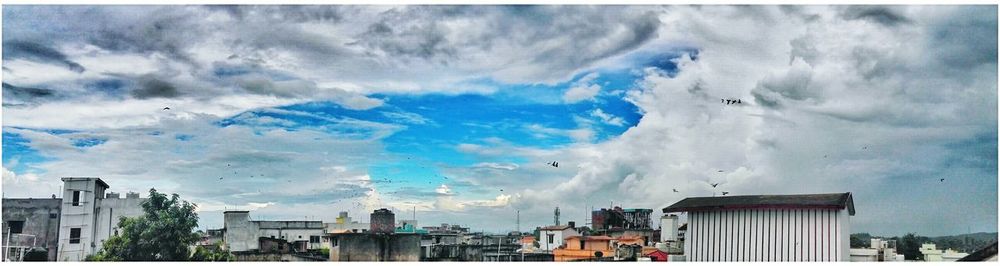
(813, 201)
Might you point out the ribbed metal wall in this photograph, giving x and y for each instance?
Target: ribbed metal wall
(768, 235)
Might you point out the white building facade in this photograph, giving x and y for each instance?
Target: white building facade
(88, 217)
(554, 236)
(812, 227)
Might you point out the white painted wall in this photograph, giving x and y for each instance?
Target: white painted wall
(557, 238)
(109, 211)
(83, 217)
(768, 235)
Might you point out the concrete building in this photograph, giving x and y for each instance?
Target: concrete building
(344, 224)
(242, 234)
(76, 225)
(447, 229)
(605, 219)
(383, 221)
(375, 247)
(931, 253)
(30, 224)
(880, 250)
(552, 236)
(89, 216)
(814, 227)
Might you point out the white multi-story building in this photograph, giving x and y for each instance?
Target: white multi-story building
(813, 227)
(552, 236)
(89, 216)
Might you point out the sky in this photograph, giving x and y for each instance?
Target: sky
(457, 112)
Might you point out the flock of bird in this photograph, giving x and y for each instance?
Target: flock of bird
(731, 101)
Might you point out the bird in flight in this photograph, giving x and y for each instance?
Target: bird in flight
(220, 178)
(715, 184)
(675, 190)
(720, 171)
(166, 108)
(725, 193)
(554, 164)
(942, 180)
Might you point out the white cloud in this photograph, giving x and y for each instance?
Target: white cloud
(582, 90)
(607, 118)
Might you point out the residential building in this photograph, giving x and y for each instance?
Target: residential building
(552, 236)
(375, 247)
(931, 253)
(813, 227)
(582, 248)
(344, 224)
(74, 226)
(30, 224)
(241, 234)
(447, 229)
(880, 250)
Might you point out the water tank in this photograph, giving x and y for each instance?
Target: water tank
(668, 228)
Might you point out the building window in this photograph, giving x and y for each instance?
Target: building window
(74, 235)
(313, 239)
(16, 227)
(551, 239)
(76, 198)
(272, 237)
(53, 216)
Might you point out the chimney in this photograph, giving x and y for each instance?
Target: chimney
(132, 195)
(572, 224)
(111, 195)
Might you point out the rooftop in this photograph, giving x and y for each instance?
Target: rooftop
(99, 181)
(555, 227)
(802, 201)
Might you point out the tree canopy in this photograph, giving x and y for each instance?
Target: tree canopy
(162, 233)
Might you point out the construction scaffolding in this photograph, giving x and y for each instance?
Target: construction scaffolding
(15, 246)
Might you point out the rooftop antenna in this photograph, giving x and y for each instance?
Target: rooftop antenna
(518, 221)
(557, 215)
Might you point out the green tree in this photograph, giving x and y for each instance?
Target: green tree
(213, 252)
(909, 246)
(860, 240)
(162, 233)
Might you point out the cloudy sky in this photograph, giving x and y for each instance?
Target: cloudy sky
(298, 112)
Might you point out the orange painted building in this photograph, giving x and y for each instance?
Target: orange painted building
(584, 247)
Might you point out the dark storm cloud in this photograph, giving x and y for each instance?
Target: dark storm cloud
(24, 94)
(37, 52)
(880, 14)
(966, 40)
(151, 87)
(397, 33)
